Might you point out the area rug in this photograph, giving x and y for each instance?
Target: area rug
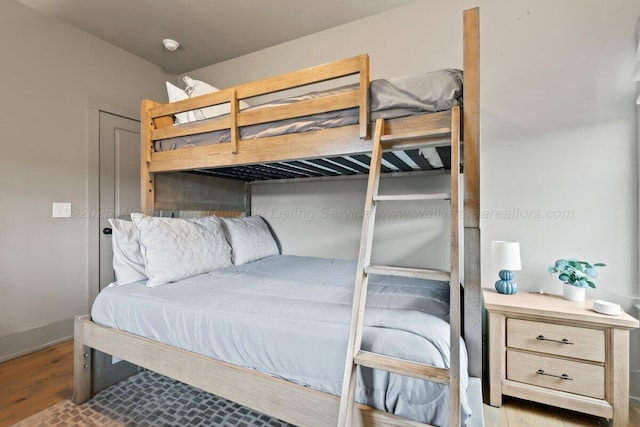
(148, 399)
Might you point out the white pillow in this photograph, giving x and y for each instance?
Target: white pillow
(196, 88)
(176, 248)
(250, 239)
(176, 94)
(128, 262)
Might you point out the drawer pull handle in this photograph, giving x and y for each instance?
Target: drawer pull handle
(562, 377)
(562, 341)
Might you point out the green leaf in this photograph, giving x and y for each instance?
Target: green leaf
(593, 285)
(599, 264)
(576, 265)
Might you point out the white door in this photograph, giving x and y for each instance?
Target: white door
(119, 188)
(119, 181)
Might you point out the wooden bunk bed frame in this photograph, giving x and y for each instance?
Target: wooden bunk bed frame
(282, 399)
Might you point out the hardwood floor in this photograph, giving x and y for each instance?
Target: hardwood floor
(31, 383)
(36, 381)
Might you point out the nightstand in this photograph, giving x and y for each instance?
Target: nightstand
(549, 350)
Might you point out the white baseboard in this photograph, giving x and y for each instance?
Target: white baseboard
(21, 343)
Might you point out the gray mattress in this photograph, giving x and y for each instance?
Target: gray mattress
(288, 316)
(389, 98)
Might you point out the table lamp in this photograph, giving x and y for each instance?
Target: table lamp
(506, 258)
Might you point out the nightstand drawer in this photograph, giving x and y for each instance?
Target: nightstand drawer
(561, 340)
(582, 378)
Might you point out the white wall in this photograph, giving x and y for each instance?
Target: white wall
(325, 219)
(559, 140)
(50, 75)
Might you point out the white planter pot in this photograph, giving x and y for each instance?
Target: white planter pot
(573, 293)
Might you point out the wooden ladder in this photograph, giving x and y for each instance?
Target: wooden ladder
(355, 355)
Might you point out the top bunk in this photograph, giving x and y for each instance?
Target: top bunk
(321, 133)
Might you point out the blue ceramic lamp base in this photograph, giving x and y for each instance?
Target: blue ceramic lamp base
(506, 285)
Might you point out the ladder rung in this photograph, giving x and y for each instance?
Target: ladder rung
(419, 273)
(405, 197)
(402, 367)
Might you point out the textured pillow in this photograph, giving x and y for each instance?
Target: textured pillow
(250, 239)
(176, 94)
(128, 262)
(176, 248)
(196, 88)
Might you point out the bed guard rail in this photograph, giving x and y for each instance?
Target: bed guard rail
(161, 121)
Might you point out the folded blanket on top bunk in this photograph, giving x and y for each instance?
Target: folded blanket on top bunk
(389, 98)
(288, 316)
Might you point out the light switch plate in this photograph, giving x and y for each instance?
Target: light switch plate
(61, 210)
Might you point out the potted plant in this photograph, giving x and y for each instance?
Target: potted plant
(576, 276)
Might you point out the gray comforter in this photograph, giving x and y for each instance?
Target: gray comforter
(389, 98)
(288, 316)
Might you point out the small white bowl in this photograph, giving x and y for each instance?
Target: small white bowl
(606, 307)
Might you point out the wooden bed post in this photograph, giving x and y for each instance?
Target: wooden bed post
(364, 96)
(471, 126)
(81, 363)
(147, 194)
(234, 108)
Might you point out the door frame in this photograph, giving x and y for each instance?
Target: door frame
(95, 107)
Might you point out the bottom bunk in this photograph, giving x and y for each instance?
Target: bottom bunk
(209, 300)
(284, 316)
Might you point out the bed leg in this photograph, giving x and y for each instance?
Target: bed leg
(81, 363)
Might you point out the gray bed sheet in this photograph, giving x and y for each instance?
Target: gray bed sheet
(389, 98)
(288, 316)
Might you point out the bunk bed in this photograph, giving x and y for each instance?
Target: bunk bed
(342, 149)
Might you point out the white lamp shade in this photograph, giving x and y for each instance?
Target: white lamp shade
(506, 255)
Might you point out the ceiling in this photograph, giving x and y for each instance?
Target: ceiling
(209, 31)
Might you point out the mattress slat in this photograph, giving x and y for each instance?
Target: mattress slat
(397, 162)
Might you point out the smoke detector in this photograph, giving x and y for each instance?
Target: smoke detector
(171, 45)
